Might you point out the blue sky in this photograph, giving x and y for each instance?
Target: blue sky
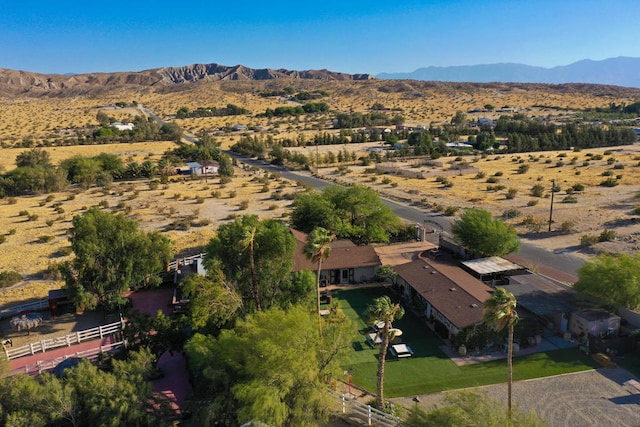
(351, 36)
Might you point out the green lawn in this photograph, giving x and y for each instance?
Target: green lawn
(430, 370)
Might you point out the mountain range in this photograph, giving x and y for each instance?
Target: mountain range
(620, 71)
(13, 82)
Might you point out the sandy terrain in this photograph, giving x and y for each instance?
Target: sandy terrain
(595, 209)
(202, 205)
(34, 246)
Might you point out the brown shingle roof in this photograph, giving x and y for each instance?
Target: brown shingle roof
(447, 290)
(344, 254)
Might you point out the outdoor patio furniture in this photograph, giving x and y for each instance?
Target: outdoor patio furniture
(373, 338)
(378, 325)
(401, 350)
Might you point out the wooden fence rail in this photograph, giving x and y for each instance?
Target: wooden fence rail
(48, 365)
(64, 341)
(17, 309)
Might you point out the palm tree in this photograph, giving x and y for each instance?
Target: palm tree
(248, 243)
(383, 310)
(316, 249)
(500, 311)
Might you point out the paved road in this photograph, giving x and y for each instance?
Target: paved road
(536, 255)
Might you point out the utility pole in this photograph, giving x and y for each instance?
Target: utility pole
(553, 190)
(317, 160)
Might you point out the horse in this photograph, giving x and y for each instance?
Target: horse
(6, 343)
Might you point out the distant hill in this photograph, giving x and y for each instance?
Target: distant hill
(14, 82)
(621, 71)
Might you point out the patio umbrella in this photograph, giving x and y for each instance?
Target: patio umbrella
(59, 370)
(26, 321)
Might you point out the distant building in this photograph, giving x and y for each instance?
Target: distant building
(458, 145)
(122, 126)
(207, 167)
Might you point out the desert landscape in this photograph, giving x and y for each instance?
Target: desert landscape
(35, 226)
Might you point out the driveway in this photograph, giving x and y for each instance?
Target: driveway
(591, 398)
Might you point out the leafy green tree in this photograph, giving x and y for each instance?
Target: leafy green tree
(88, 396)
(500, 312)
(82, 170)
(614, 279)
(262, 275)
(213, 302)
(316, 249)
(103, 118)
(111, 256)
(421, 142)
(33, 158)
(459, 118)
(355, 213)
(267, 368)
(383, 310)
(468, 409)
(384, 273)
(311, 209)
(171, 132)
(156, 334)
(33, 180)
(477, 231)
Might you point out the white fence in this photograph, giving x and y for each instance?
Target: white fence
(366, 413)
(31, 306)
(48, 365)
(184, 261)
(64, 341)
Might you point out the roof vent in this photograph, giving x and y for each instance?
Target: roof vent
(452, 289)
(474, 305)
(433, 272)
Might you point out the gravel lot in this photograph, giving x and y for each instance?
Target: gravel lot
(591, 398)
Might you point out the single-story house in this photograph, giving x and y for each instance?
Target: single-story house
(206, 167)
(449, 297)
(458, 145)
(122, 126)
(347, 262)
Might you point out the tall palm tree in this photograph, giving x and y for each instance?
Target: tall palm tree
(500, 311)
(317, 249)
(383, 310)
(248, 242)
